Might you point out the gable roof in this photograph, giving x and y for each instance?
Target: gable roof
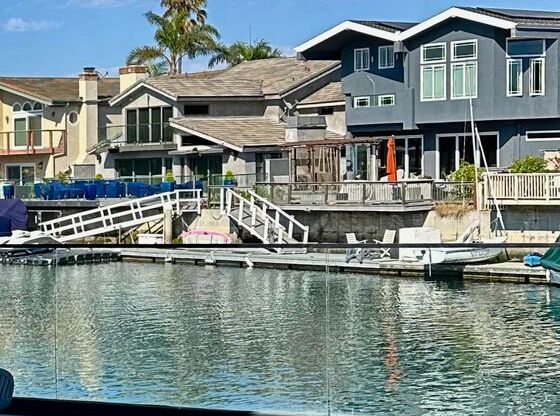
(55, 90)
(252, 79)
(331, 93)
(521, 17)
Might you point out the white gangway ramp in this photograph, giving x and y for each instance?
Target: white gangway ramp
(264, 220)
(123, 215)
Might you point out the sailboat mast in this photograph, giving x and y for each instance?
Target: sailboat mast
(475, 154)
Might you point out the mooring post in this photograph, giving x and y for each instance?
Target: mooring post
(168, 224)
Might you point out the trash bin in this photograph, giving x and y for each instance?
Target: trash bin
(9, 191)
(90, 191)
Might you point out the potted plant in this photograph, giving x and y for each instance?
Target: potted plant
(229, 179)
(98, 177)
(168, 185)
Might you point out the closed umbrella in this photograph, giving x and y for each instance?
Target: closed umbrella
(391, 160)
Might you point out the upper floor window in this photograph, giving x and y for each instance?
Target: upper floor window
(27, 107)
(362, 102)
(386, 100)
(16, 108)
(537, 76)
(37, 107)
(464, 80)
(386, 57)
(196, 110)
(433, 83)
(464, 50)
(433, 53)
(514, 77)
(361, 59)
(526, 47)
(149, 125)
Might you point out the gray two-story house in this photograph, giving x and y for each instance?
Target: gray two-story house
(416, 81)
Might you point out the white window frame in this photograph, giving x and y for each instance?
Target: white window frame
(456, 137)
(519, 77)
(463, 42)
(386, 51)
(422, 98)
(21, 166)
(551, 139)
(381, 97)
(364, 97)
(431, 45)
(25, 114)
(464, 65)
(361, 51)
(374, 157)
(525, 56)
(532, 61)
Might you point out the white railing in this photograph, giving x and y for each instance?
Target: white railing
(254, 215)
(522, 188)
(122, 216)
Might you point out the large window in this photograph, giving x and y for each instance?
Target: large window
(21, 174)
(361, 59)
(386, 57)
(143, 168)
(464, 80)
(434, 53)
(537, 76)
(409, 157)
(149, 125)
(526, 47)
(433, 82)
(514, 78)
(453, 149)
(27, 124)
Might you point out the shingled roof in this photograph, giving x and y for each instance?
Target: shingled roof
(522, 17)
(55, 90)
(388, 26)
(331, 93)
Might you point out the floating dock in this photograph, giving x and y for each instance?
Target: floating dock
(509, 272)
(63, 257)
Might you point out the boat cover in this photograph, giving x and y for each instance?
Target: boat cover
(16, 211)
(551, 259)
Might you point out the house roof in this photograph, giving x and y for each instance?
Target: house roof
(389, 26)
(522, 17)
(235, 133)
(52, 90)
(178, 87)
(331, 93)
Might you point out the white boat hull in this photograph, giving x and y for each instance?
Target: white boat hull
(463, 255)
(553, 277)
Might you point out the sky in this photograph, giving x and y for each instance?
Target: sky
(60, 37)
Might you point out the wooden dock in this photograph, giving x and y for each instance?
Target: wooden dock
(510, 272)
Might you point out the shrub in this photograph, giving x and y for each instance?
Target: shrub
(99, 177)
(229, 176)
(169, 176)
(529, 164)
(63, 177)
(465, 173)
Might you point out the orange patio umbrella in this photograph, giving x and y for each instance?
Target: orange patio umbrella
(391, 160)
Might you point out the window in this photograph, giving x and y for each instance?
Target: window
(197, 110)
(514, 77)
(463, 50)
(73, 118)
(433, 53)
(433, 83)
(361, 102)
(326, 111)
(17, 107)
(27, 107)
(525, 47)
(464, 80)
(543, 136)
(21, 174)
(143, 167)
(386, 100)
(386, 57)
(149, 125)
(452, 149)
(361, 59)
(537, 76)
(37, 107)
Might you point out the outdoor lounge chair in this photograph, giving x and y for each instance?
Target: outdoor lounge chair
(6, 389)
(361, 254)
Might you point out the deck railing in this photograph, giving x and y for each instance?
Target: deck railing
(522, 188)
(32, 142)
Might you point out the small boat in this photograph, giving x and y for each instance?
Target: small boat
(20, 238)
(205, 237)
(551, 262)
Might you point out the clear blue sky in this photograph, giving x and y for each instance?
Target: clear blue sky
(59, 37)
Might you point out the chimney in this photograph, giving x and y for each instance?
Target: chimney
(88, 114)
(131, 74)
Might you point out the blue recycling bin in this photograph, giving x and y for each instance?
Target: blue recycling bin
(100, 189)
(41, 190)
(9, 191)
(90, 191)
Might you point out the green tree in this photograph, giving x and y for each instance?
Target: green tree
(242, 51)
(465, 173)
(195, 10)
(174, 41)
(156, 68)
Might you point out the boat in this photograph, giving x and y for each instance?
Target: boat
(551, 262)
(206, 237)
(26, 238)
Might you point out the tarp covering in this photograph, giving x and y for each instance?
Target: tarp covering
(16, 211)
(551, 259)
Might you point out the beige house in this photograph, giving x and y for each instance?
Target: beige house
(47, 125)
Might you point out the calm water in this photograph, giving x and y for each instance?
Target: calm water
(263, 340)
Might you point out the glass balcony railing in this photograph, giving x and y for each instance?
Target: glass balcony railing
(137, 134)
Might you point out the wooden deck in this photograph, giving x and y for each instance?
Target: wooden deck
(510, 272)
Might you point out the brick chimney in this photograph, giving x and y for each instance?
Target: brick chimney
(131, 74)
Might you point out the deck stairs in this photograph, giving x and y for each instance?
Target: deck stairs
(264, 220)
(123, 216)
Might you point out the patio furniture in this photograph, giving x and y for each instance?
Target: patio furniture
(6, 389)
(361, 254)
(355, 253)
(388, 238)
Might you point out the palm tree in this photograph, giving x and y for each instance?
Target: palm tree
(156, 68)
(242, 51)
(194, 8)
(174, 41)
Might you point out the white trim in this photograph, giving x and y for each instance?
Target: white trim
(525, 56)
(380, 97)
(77, 118)
(24, 95)
(348, 25)
(532, 93)
(456, 12)
(361, 97)
(20, 107)
(464, 65)
(115, 100)
(444, 66)
(362, 51)
(527, 139)
(205, 136)
(392, 55)
(324, 104)
(21, 165)
(432, 45)
(462, 42)
(519, 77)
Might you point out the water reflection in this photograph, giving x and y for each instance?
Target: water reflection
(254, 339)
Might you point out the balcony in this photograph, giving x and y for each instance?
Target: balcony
(527, 189)
(32, 142)
(135, 138)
